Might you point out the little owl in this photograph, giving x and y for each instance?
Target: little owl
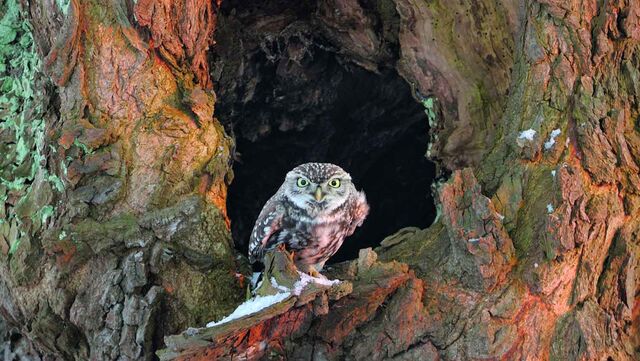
(315, 208)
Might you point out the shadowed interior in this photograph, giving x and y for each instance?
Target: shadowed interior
(295, 100)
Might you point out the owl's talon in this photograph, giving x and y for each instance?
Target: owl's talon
(321, 276)
(313, 273)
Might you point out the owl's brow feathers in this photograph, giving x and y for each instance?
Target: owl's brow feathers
(319, 172)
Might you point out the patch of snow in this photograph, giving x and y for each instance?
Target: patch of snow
(255, 276)
(173, 227)
(527, 134)
(553, 173)
(535, 265)
(550, 208)
(473, 240)
(137, 257)
(192, 331)
(275, 285)
(552, 139)
(252, 306)
(305, 279)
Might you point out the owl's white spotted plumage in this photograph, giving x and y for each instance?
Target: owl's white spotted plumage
(312, 212)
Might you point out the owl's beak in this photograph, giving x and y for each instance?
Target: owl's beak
(318, 195)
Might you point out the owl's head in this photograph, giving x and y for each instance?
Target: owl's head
(318, 185)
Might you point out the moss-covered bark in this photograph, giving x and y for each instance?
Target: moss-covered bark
(113, 215)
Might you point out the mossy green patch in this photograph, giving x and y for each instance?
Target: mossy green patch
(105, 235)
(196, 298)
(537, 194)
(423, 250)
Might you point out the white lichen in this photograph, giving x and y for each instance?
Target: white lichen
(63, 5)
(549, 208)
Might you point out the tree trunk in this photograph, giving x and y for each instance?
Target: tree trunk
(114, 227)
(114, 200)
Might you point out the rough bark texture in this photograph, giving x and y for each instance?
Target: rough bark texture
(113, 223)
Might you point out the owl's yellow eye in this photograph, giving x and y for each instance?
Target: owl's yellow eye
(335, 183)
(302, 182)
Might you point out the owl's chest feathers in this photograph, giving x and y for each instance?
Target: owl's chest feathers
(323, 230)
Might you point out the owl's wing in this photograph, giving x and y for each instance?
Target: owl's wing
(268, 223)
(359, 211)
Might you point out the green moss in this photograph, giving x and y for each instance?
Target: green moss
(210, 237)
(631, 78)
(104, 235)
(196, 298)
(567, 342)
(422, 250)
(537, 193)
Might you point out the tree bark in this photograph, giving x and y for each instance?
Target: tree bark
(114, 230)
(114, 202)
